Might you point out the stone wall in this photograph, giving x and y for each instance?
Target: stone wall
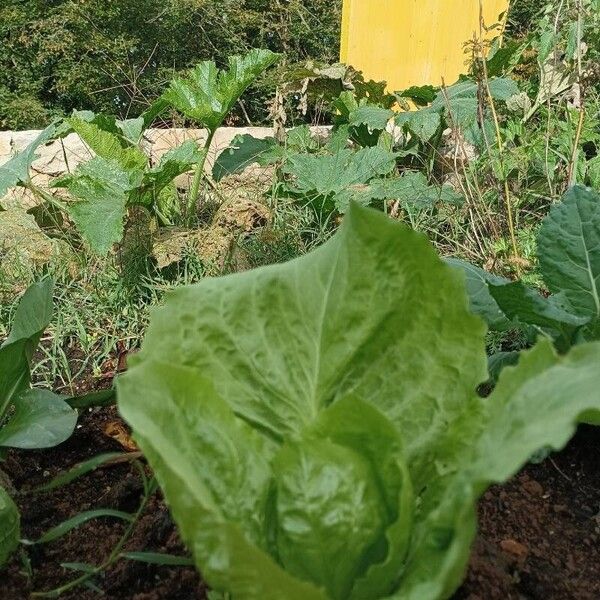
(62, 156)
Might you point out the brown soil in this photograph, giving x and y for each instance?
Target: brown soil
(539, 533)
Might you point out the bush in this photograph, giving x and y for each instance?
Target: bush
(57, 55)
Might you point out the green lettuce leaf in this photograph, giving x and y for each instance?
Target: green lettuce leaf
(537, 404)
(221, 509)
(353, 367)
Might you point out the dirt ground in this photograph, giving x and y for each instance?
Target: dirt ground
(538, 540)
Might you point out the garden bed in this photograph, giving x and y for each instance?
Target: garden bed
(538, 536)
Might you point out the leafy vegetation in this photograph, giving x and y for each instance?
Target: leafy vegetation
(296, 462)
(322, 427)
(207, 96)
(118, 58)
(570, 267)
(30, 418)
(119, 175)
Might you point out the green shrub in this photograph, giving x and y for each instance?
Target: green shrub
(114, 57)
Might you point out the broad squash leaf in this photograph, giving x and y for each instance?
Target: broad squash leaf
(207, 95)
(414, 192)
(103, 187)
(16, 170)
(593, 172)
(332, 180)
(363, 122)
(40, 419)
(334, 396)
(132, 130)
(374, 117)
(423, 123)
(460, 105)
(173, 163)
(9, 526)
(243, 151)
(569, 251)
(108, 146)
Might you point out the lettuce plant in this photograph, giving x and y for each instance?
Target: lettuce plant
(315, 427)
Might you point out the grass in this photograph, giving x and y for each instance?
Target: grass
(102, 306)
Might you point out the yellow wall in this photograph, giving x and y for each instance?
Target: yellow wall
(412, 42)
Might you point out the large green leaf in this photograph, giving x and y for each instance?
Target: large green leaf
(108, 146)
(103, 188)
(207, 94)
(220, 509)
(537, 405)
(31, 318)
(460, 105)
(329, 513)
(569, 251)
(365, 432)
(40, 419)
(33, 313)
(254, 392)
(501, 88)
(334, 179)
(527, 306)
(173, 163)
(16, 170)
(243, 151)
(306, 355)
(414, 192)
(132, 130)
(9, 526)
(423, 123)
(374, 117)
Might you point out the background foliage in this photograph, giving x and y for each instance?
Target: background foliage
(114, 56)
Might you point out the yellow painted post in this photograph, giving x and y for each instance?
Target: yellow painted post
(412, 42)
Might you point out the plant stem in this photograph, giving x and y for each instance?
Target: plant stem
(575, 153)
(34, 189)
(198, 175)
(507, 197)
